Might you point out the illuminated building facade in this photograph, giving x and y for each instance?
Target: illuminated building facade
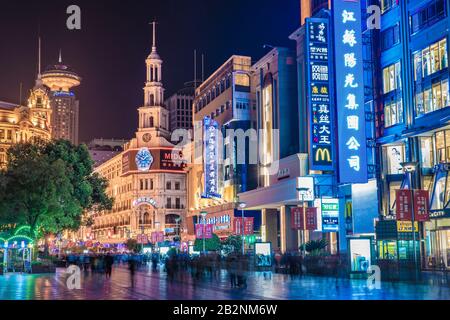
(20, 123)
(60, 79)
(412, 120)
(147, 179)
(224, 98)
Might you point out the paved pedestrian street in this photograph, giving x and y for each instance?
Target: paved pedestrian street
(153, 285)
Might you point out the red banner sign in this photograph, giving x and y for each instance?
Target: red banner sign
(243, 226)
(403, 204)
(297, 218)
(203, 230)
(157, 237)
(142, 238)
(421, 201)
(311, 218)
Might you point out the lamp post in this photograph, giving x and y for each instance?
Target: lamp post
(204, 213)
(410, 168)
(178, 228)
(302, 191)
(242, 206)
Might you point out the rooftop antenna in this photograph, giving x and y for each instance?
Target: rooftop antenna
(195, 71)
(60, 56)
(20, 94)
(39, 59)
(203, 67)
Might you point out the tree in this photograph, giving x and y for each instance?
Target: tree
(132, 245)
(232, 244)
(315, 247)
(212, 244)
(48, 186)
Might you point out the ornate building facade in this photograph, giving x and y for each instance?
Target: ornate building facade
(147, 179)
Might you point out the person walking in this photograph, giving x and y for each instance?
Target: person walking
(109, 261)
(132, 268)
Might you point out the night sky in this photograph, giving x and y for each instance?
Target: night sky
(109, 51)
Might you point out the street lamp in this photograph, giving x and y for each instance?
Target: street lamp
(302, 191)
(204, 213)
(410, 167)
(242, 206)
(177, 220)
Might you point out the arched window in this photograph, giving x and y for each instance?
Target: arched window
(151, 122)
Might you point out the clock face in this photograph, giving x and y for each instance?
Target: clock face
(144, 159)
(147, 137)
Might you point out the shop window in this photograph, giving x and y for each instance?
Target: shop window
(430, 60)
(387, 249)
(393, 111)
(432, 98)
(426, 152)
(395, 155)
(392, 77)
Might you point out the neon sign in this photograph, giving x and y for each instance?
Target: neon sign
(350, 92)
(210, 158)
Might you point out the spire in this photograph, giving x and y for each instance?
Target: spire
(154, 36)
(39, 59)
(60, 56)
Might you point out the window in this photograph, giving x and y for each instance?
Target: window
(392, 78)
(168, 185)
(141, 182)
(395, 155)
(393, 111)
(390, 37)
(426, 152)
(388, 4)
(430, 60)
(427, 16)
(169, 203)
(177, 203)
(432, 98)
(177, 186)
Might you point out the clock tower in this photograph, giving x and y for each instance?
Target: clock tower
(153, 116)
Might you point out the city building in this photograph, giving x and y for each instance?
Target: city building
(21, 123)
(101, 150)
(413, 124)
(224, 100)
(147, 179)
(280, 163)
(60, 79)
(180, 107)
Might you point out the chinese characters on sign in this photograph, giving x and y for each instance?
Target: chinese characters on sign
(421, 203)
(350, 92)
(297, 218)
(246, 227)
(157, 237)
(330, 215)
(321, 117)
(210, 158)
(403, 204)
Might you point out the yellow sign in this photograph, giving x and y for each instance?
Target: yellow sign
(406, 226)
(324, 155)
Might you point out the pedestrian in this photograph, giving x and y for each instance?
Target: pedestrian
(132, 268)
(109, 261)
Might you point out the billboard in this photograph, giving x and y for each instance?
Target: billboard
(148, 159)
(306, 184)
(350, 91)
(330, 215)
(360, 254)
(319, 94)
(263, 254)
(210, 158)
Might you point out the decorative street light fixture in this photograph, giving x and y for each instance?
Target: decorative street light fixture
(204, 213)
(302, 191)
(242, 206)
(410, 167)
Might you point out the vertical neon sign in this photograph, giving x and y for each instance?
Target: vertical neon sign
(210, 158)
(350, 91)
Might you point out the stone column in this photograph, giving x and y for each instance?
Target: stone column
(288, 235)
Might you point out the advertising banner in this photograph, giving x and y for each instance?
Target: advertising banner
(311, 218)
(403, 204)
(263, 254)
(350, 91)
(203, 230)
(157, 237)
(330, 215)
(421, 203)
(360, 255)
(318, 51)
(297, 218)
(243, 227)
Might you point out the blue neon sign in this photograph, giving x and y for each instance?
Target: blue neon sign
(350, 91)
(319, 94)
